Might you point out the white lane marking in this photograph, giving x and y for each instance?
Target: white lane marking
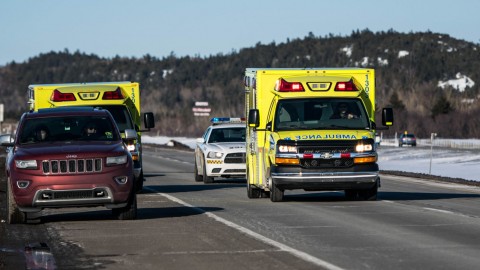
(441, 211)
(300, 254)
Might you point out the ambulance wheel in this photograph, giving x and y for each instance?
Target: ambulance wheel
(369, 194)
(198, 178)
(206, 179)
(139, 183)
(14, 215)
(253, 192)
(276, 194)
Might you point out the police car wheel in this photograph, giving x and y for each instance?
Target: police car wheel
(206, 179)
(198, 178)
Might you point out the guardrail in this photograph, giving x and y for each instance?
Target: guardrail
(439, 142)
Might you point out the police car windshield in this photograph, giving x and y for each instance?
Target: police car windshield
(223, 135)
(320, 113)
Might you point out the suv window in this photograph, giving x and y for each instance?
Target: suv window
(67, 128)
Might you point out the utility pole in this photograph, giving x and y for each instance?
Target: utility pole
(432, 136)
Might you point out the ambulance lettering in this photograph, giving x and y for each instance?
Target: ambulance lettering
(327, 136)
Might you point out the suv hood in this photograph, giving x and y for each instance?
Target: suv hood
(62, 150)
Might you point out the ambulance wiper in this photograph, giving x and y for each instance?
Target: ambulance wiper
(340, 127)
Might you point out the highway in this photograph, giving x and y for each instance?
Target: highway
(183, 224)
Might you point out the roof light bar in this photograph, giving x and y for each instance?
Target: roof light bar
(284, 86)
(345, 86)
(58, 96)
(117, 94)
(227, 120)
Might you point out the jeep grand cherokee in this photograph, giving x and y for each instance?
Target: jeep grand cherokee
(69, 157)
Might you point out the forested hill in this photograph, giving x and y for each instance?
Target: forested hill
(430, 79)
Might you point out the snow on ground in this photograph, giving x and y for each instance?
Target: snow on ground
(448, 162)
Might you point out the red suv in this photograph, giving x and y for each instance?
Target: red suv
(69, 157)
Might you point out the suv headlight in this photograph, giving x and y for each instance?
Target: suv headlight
(116, 160)
(215, 154)
(26, 164)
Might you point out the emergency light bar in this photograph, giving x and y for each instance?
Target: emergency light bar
(345, 86)
(227, 120)
(58, 96)
(117, 94)
(284, 86)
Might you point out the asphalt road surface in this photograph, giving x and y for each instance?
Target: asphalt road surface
(183, 224)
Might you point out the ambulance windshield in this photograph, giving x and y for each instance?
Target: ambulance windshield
(320, 113)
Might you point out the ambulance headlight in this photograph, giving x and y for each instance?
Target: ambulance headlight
(363, 147)
(287, 149)
(215, 154)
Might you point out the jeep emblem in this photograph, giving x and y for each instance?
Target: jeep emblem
(71, 156)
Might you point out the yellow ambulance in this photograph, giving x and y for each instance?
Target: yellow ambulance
(121, 99)
(312, 129)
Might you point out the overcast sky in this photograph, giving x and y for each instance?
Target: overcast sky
(134, 28)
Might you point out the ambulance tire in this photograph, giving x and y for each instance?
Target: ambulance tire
(139, 183)
(206, 179)
(14, 215)
(276, 194)
(369, 194)
(253, 192)
(198, 178)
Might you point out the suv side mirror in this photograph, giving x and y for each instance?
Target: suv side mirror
(130, 134)
(253, 118)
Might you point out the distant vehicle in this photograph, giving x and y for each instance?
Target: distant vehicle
(221, 150)
(69, 157)
(407, 139)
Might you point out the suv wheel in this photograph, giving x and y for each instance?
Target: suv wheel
(129, 212)
(14, 215)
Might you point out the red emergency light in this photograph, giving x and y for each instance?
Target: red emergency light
(117, 94)
(284, 86)
(58, 96)
(345, 86)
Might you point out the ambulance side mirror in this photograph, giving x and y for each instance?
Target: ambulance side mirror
(253, 118)
(148, 120)
(387, 116)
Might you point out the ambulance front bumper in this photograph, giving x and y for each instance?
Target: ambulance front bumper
(357, 177)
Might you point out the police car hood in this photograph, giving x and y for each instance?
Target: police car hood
(228, 147)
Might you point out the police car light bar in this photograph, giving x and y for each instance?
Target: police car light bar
(227, 120)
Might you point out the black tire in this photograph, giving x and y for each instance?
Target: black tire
(276, 194)
(351, 194)
(14, 215)
(139, 183)
(198, 178)
(253, 192)
(206, 179)
(369, 194)
(129, 212)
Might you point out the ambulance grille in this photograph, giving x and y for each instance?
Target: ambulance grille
(72, 166)
(235, 158)
(326, 163)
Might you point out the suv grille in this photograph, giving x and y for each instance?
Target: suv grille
(71, 166)
(235, 158)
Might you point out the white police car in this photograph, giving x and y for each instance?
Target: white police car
(221, 150)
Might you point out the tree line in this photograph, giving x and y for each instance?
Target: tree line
(408, 66)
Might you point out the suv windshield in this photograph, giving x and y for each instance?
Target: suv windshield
(67, 128)
(320, 113)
